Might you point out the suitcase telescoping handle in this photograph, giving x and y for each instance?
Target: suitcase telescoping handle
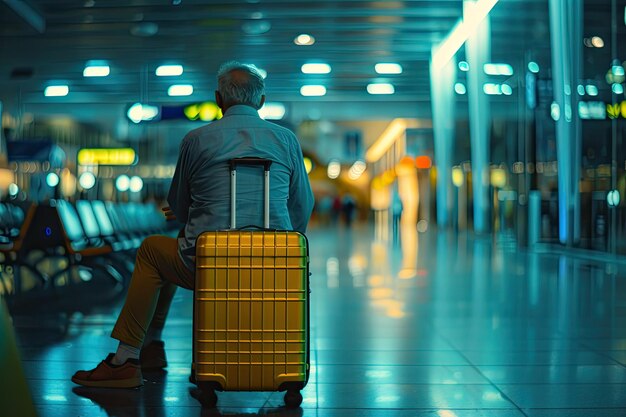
(266, 163)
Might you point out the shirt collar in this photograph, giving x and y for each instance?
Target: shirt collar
(241, 109)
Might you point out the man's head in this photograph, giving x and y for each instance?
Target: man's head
(239, 84)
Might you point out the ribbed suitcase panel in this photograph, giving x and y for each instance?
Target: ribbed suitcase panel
(250, 309)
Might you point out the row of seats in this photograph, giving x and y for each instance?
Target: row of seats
(59, 243)
(11, 219)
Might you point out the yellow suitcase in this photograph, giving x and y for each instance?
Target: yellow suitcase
(251, 308)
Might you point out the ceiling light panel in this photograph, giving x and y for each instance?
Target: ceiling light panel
(56, 91)
(388, 68)
(313, 90)
(380, 88)
(178, 90)
(316, 68)
(96, 71)
(169, 70)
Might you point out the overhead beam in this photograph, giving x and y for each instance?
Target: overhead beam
(26, 12)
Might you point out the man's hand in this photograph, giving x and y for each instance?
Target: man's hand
(168, 213)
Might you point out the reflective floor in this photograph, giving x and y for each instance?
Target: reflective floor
(438, 324)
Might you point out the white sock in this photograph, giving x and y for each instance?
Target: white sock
(125, 352)
(151, 335)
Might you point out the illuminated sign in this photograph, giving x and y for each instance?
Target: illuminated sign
(206, 112)
(138, 113)
(599, 110)
(596, 110)
(617, 110)
(107, 156)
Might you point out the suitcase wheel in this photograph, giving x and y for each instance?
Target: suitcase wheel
(208, 398)
(293, 398)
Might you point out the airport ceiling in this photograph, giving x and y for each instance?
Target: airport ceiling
(46, 41)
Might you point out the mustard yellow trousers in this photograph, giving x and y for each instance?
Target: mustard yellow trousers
(158, 272)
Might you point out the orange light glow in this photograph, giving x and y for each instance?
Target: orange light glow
(381, 293)
(376, 280)
(423, 162)
(395, 313)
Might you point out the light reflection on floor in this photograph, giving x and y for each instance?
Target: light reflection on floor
(437, 324)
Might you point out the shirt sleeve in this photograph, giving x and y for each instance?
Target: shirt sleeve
(179, 196)
(301, 200)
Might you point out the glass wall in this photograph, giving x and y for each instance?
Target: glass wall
(532, 89)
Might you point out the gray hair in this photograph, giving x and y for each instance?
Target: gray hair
(240, 83)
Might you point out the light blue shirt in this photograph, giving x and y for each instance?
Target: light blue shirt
(200, 191)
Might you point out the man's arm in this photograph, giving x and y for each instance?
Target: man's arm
(179, 196)
(301, 200)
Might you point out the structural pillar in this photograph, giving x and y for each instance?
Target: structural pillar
(566, 24)
(478, 53)
(442, 100)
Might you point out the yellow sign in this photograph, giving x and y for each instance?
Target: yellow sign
(206, 111)
(107, 156)
(616, 110)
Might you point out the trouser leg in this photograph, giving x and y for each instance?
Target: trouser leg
(158, 270)
(163, 305)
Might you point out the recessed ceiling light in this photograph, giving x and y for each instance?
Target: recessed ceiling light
(380, 88)
(56, 91)
(597, 42)
(592, 90)
(180, 90)
(464, 66)
(135, 184)
(388, 68)
(96, 71)
(313, 90)
(316, 68)
(52, 179)
(87, 180)
(122, 183)
(492, 89)
(169, 70)
(533, 67)
(304, 40)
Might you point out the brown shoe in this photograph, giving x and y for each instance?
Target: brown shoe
(107, 375)
(152, 357)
